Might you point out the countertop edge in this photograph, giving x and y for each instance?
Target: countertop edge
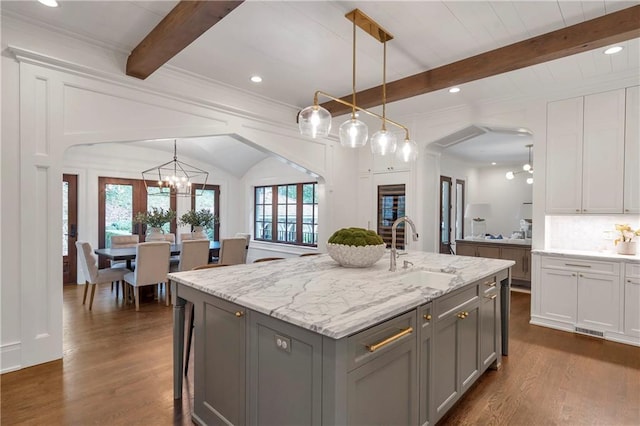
(587, 255)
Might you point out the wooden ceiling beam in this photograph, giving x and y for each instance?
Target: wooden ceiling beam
(185, 23)
(593, 34)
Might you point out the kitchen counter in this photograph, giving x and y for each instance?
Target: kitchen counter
(317, 294)
(514, 241)
(590, 255)
(340, 345)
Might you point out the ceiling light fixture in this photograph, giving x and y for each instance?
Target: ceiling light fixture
(256, 79)
(315, 121)
(49, 3)
(613, 49)
(175, 178)
(526, 168)
(454, 90)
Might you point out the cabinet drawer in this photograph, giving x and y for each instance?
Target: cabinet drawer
(379, 339)
(573, 264)
(632, 270)
(452, 303)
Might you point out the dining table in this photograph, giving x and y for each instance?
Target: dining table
(128, 254)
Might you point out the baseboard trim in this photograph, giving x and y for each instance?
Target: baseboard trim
(10, 357)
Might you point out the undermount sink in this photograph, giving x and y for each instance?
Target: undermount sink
(437, 280)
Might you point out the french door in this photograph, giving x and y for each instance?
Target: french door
(445, 214)
(118, 202)
(69, 228)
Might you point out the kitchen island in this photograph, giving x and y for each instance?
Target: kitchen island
(306, 341)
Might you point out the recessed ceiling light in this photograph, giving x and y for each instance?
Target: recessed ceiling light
(256, 79)
(612, 50)
(493, 163)
(454, 90)
(50, 3)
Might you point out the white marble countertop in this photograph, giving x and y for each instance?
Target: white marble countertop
(517, 241)
(316, 293)
(584, 254)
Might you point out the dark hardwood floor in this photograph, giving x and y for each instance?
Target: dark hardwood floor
(117, 369)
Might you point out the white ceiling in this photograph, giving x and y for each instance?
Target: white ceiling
(302, 46)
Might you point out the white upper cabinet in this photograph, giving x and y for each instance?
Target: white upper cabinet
(564, 156)
(587, 166)
(632, 152)
(603, 152)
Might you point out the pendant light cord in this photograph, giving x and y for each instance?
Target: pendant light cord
(384, 85)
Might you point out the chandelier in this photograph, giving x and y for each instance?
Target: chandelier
(526, 168)
(315, 121)
(174, 178)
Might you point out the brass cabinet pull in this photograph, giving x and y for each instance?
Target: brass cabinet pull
(492, 297)
(463, 315)
(239, 314)
(385, 342)
(577, 265)
(490, 283)
(427, 317)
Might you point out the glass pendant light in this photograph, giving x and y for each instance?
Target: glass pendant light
(382, 141)
(353, 132)
(407, 152)
(314, 121)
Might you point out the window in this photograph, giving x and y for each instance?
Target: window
(391, 206)
(208, 199)
(296, 213)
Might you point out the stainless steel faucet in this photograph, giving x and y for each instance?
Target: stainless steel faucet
(394, 255)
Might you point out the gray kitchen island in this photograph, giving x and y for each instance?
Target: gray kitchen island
(305, 341)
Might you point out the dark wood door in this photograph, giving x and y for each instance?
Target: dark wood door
(69, 228)
(445, 214)
(118, 202)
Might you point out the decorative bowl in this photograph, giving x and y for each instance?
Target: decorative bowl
(355, 256)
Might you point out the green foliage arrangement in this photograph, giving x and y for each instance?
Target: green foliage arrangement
(155, 218)
(356, 237)
(199, 218)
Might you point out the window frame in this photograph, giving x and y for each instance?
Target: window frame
(274, 223)
(216, 204)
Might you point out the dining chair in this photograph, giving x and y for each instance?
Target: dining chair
(192, 254)
(92, 274)
(152, 266)
(122, 241)
(171, 238)
(267, 259)
(233, 251)
(191, 317)
(185, 236)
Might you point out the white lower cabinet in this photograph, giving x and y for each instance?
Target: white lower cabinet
(632, 302)
(599, 298)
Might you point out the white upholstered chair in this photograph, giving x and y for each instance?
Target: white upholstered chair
(193, 253)
(186, 236)
(92, 274)
(123, 241)
(233, 251)
(152, 266)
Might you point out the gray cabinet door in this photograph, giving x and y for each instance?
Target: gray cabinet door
(425, 319)
(468, 349)
(384, 390)
(219, 380)
(489, 336)
(445, 366)
(285, 373)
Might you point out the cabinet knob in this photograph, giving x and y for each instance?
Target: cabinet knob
(577, 210)
(626, 210)
(427, 317)
(573, 275)
(239, 314)
(581, 275)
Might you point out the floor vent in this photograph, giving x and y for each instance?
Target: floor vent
(589, 332)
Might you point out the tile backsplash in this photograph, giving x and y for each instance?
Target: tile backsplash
(586, 232)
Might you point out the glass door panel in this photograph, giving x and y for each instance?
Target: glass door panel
(69, 228)
(209, 199)
(118, 211)
(445, 214)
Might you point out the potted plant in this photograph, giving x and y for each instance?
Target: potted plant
(625, 243)
(155, 219)
(356, 247)
(198, 220)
